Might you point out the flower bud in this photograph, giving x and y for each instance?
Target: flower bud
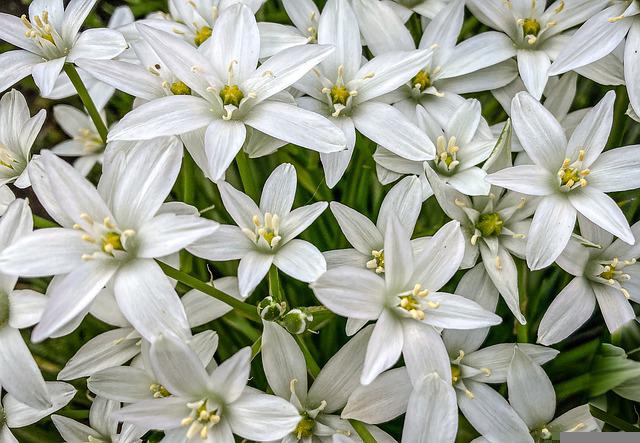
(270, 310)
(295, 321)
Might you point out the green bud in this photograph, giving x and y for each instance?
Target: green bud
(295, 321)
(270, 310)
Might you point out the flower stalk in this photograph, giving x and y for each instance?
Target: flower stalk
(87, 101)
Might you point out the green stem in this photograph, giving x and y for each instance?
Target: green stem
(40, 222)
(245, 309)
(274, 285)
(522, 331)
(574, 386)
(612, 420)
(256, 347)
(188, 191)
(87, 101)
(312, 366)
(248, 182)
(620, 117)
(362, 431)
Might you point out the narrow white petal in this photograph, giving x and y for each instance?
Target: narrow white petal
(360, 232)
(262, 417)
(252, 269)
(222, 142)
(603, 211)
(279, 191)
(384, 348)
(615, 308)
(98, 44)
(617, 170)
(301, 260)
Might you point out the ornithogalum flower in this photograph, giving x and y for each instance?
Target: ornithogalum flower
(212, 406)
(347, 89)
(535, 30)
(275, 37)
(109, 234)
(18, 131)
(232, 92)
(265, 235)
(48, 38)
(605, 272)
(569, 176)
(406, 298)
(286, 371)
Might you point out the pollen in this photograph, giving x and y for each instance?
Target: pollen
(180, 88)
(202, 35)
(421, 81)
(159, 391)
(231, 95)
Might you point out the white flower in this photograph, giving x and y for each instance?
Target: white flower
(19, 309)
(570, 177)
(209, 406)
(480, 63)
(536, 32)
(49, 38)
(425, 8)
(110, 234)
(18, 131)
(346, 90)
(605, 272)
(602, 35)
(275, 37)
(406, 298)
(85, 141)
(232, 93)
(15, 414)
(286, 372)
(103, 428)
(267, 234)
(447, 377)
(532, 395)
(195, 20)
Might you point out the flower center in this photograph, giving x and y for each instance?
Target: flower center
(377, 262)
(180, 88)
(267, 233)
(490, 224)
(447, 151)
(6, 157)
(612, 274)
(200, 420)
(202, 35)
(305, 426)
(456, 373)
(339, 94)
(159, 391)
(91, 140)
(106, 236)
(572, 175)
(531, 26)
(421, 81)
(412, 302)
(231, 95)
(4, 313)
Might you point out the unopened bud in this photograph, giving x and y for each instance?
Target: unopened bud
(270, 310)
(295, 321)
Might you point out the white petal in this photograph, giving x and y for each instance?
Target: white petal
(122, 383)
(147, 299)
(539, 132)
(360, 232)
(351, 292)
(478, 52)
(632, 64)
(424, 352)
(226, 243)
(340, 375)
(18, 414)
(388, 127)
(550, 231)
(531, 393)
(439, 261)
(19, 373)
(25, 308)
(279, 191)
(615, 308)
(126, 77)
(384, 348)
(74, 15)
(491, 415)
(239, 206)
(404, 201)
(159, 413)
(381, 28)
(73, 431)
(338, 26)
(456, 312)
(300, 219)
(382, 400)
(230, 378)
(616, 170)
(98, 44)
(296, 125)
(172, 115)
(301, 260)
(571, 308)
(177, 367)
(252, 269)
(592, 132)
(534, 70)
(223, 140)
(432, 412)
(262, 417)
(46, 74)
(504, 277)
(283, 362)
(603, 211)
(16, 65)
